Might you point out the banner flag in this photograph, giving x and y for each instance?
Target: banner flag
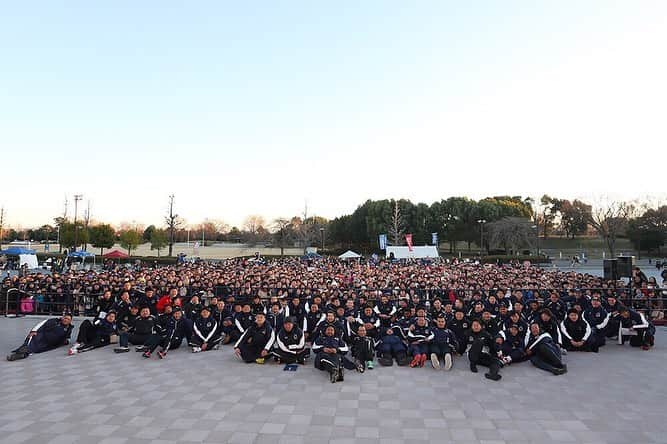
(408, 239)
(434, 238)
(383, 241)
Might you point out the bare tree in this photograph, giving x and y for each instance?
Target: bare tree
(511, 233)
(610, 220)
(173, 222)
(281, 225)
(397, 225)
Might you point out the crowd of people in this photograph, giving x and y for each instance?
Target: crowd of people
(347, 315)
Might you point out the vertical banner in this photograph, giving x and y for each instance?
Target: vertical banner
(408, 240)
(383, 241)
(434, 239)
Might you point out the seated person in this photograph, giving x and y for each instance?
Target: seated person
(419, 338)
(290, 345)
(95, 334)
(142, 328)
(391, 347)
(329, 350)
(256, 341)
(634, 326)
(511, 344)
(205, 333)
(443, 344)
(363, 350)
(47, 335)
(543, 352)
(170, 337)
(370, 320)
(577, 333)
(482, 351)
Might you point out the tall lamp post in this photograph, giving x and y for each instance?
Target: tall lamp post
(537, 238)
(77, 198)
(481, 223)
(322, 234)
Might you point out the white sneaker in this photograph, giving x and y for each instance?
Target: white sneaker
(507, 360)
(196, 349)
(72, 351)
(563, 351)
(435, 362)
(448, 361)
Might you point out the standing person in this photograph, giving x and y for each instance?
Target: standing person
(481, 351)
(329, 349)
(290, 345)
(443, 345)
(256, 341)
(95, 334)
(544, 353)
(205, 334)
(47, 335)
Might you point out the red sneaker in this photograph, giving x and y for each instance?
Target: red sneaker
(146, 354)
(422, 360)
(161, 354)
(415, 361)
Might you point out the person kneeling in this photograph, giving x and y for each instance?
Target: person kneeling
(256, 341)
(329, 350)
(47, 335)
(290, 346)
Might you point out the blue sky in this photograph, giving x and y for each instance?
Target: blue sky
(252, 109)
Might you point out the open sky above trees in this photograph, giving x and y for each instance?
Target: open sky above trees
(240, 108)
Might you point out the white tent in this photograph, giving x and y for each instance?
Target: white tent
(28, 259)
(416, 253)
(349, 254)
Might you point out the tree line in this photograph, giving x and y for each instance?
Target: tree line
(505, 223)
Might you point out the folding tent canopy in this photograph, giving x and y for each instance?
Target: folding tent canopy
(115, 254)
(15, 251)
(26, 256)
(82, 254)
(349, 254)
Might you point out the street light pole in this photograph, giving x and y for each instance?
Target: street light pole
(322, 233)
(77, 198)
(481, 223)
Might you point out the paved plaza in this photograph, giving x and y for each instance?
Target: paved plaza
(616, 396)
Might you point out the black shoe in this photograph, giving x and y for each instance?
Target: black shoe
(15, 356)
(122, 349)
(492, 376)
(301, 360)
(473, 368)
(340, 375)
(333, 375)
(559, 371)
(386, 362)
